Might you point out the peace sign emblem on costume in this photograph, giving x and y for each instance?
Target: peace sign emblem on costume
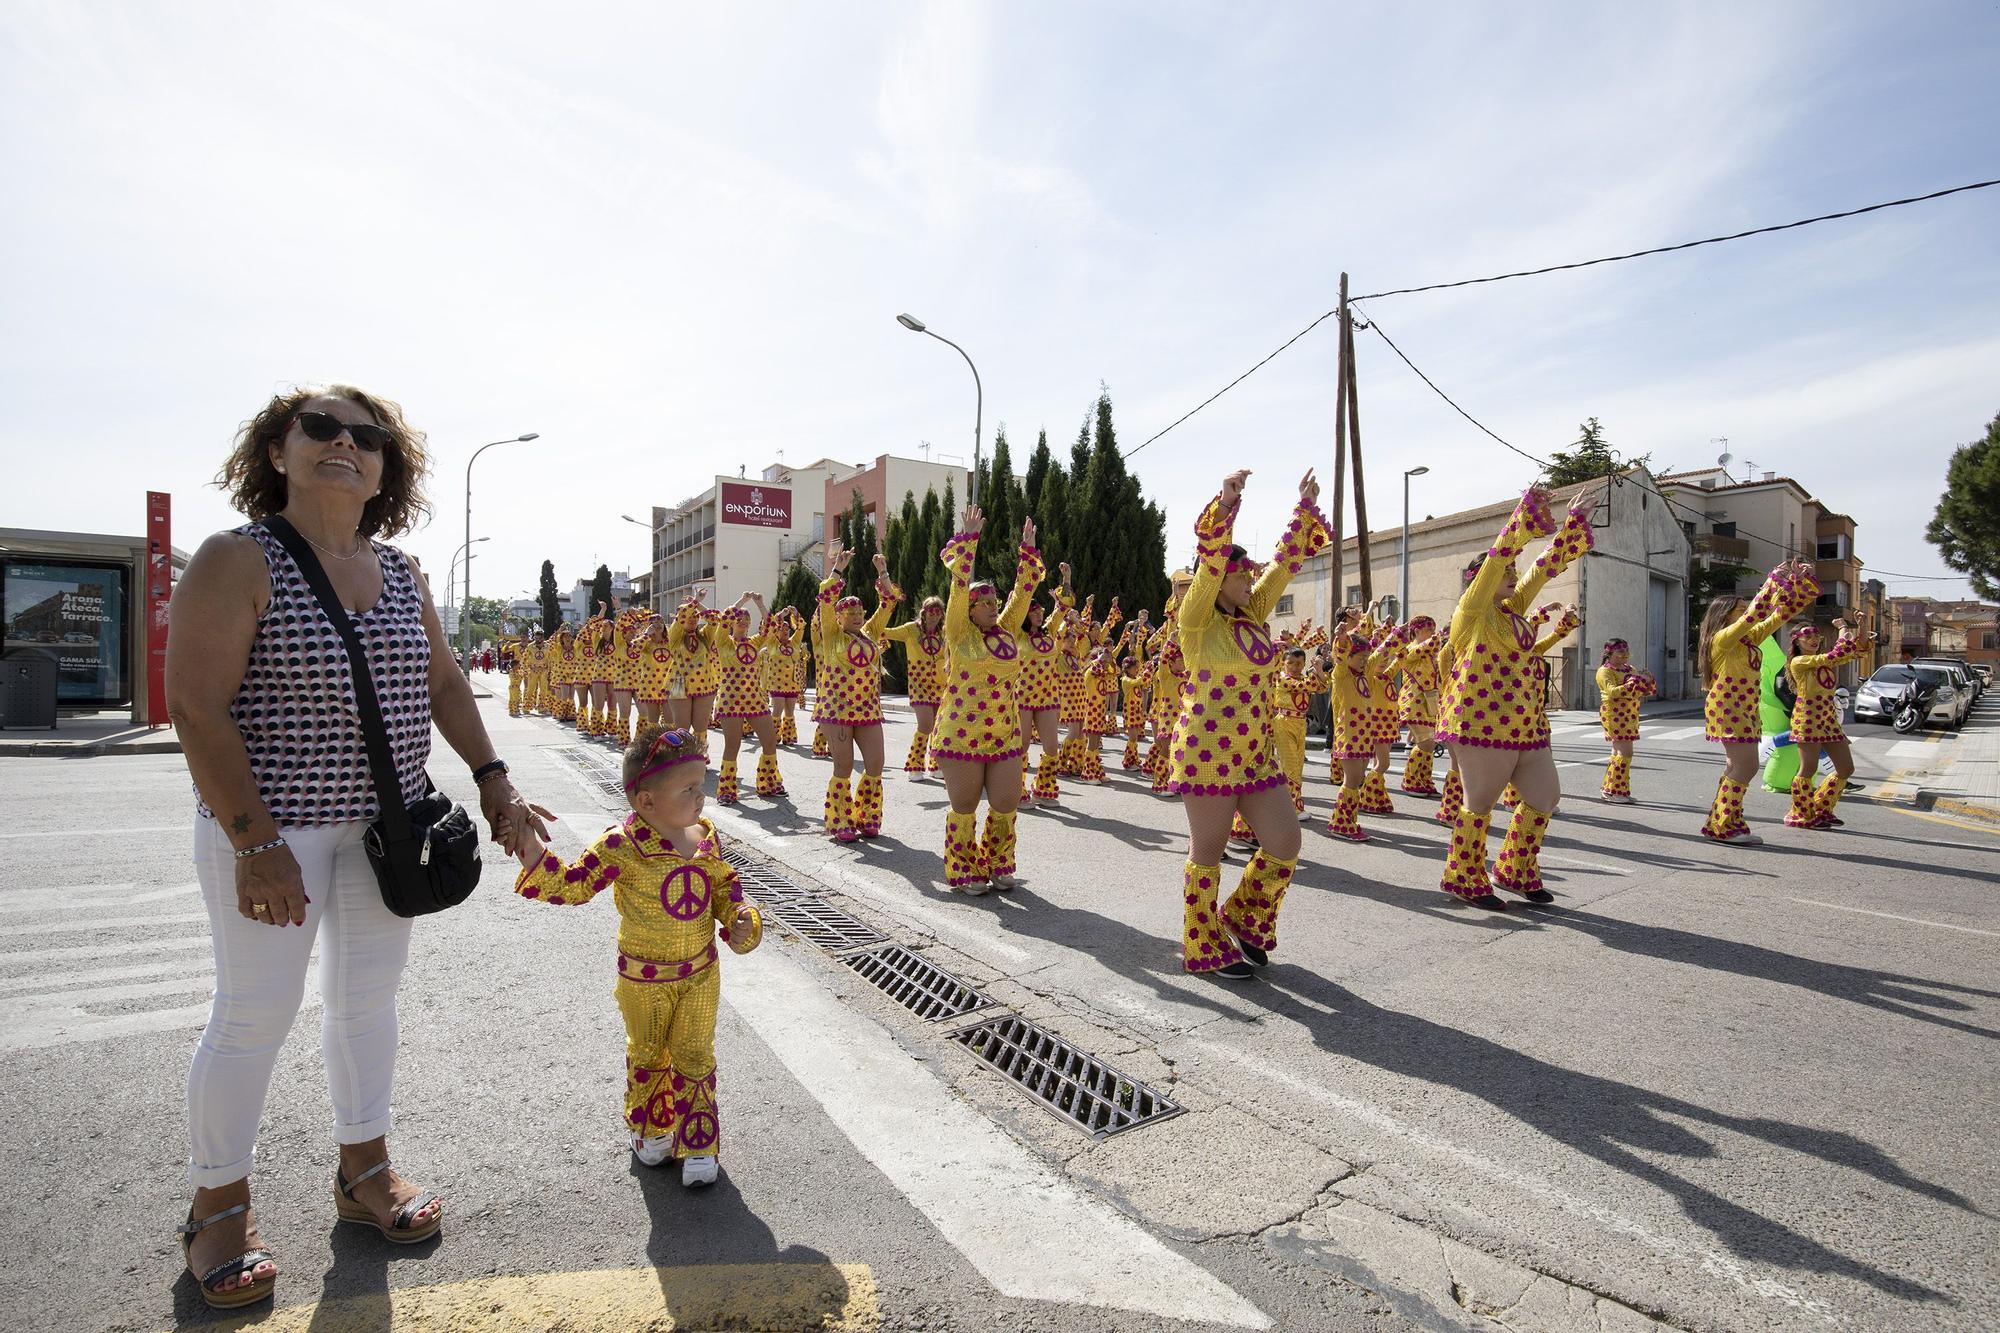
(684, 893)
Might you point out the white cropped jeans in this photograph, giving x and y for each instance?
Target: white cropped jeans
(260, 976)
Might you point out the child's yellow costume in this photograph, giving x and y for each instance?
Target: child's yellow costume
(672, 905)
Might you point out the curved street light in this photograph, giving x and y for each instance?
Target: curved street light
(464, 623)
(1403, 586)
(915, 325)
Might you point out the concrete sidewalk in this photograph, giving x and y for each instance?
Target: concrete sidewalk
(86, 735)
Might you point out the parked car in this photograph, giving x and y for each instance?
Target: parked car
(1963, 682)
(1879, 695)
(1972, 677)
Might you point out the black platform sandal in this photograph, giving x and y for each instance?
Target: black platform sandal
(258, 1289)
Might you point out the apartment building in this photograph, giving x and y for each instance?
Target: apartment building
(738, 535)
(883, 484)
(1953, 629)
(1754, 525)
(1632, 586)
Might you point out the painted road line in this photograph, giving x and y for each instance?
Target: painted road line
(1028, 1231)
(97, 833)
(76, 923)
(1760, 1283)
(60, 1018)
(840, 1297)
(1913, 750)
(1966, 826)
(1891, 916)
(75, 952)
(55, 981)
(89, 897)
(1680, 734)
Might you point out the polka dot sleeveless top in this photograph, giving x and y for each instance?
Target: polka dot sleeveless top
(296, 707)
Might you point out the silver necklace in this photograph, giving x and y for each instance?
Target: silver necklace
(359, 547)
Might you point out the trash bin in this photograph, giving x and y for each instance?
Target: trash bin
(28, 690)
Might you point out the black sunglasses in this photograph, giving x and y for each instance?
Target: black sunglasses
(326, 428)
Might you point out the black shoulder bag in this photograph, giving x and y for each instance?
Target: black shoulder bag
(425, 853)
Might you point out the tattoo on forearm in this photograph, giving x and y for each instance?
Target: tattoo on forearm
(240, 824)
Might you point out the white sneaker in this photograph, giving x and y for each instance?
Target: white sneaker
(652, 1152)
(698, 1171)
(1006, 883)
(1742, 838)
(979, 888)
(1617, 800)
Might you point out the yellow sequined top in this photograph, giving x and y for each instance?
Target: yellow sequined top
(850, 665)
(979, 717)
(672, 903)
(1737, 662)
(924, 655)
(1222, 741)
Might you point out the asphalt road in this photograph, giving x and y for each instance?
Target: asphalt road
(1720, 1087)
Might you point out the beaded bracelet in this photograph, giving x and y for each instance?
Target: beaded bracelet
(262, 847)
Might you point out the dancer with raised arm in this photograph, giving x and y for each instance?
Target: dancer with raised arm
(1732, 632)
(1620, 689)
(1224, 757)
(847, 644)
(1816, 723)
(980, 744)
(1491, 712)
(923, 651)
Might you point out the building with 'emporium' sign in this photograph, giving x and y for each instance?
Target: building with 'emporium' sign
(738, 535)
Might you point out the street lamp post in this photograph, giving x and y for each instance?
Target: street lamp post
(915, 325)
(650, 544)
(1403, 582)
(464, 623)
(451, 575)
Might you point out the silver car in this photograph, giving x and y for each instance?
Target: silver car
(1962, 681)
(1876, 700)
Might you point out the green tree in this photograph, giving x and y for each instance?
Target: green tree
(1005, 508)
(937, 579)
(484, 611)
(551, 600)
(798, 589)
(1704, 585)
(906, 543)
(1966, 527)
(858, 536)
(600, 590)
(1590, 457)
(1052, 518)
(1039, 463)
(932, 532)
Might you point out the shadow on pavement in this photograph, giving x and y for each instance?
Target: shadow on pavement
(1622, 1126)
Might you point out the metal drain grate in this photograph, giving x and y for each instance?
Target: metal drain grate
(916, 983)
(1080, 1088)
(761, 882)
(828, 927)
(608, 776)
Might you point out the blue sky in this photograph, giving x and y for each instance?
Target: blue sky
(673, 240)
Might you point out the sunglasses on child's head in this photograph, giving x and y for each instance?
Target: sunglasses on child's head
(674, 738)
(326, 428)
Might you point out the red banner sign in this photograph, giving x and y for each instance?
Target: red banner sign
(756, 506)
(159, 576)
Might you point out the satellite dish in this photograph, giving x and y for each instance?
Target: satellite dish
(1725, 460)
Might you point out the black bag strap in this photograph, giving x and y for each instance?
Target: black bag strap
(374, 731)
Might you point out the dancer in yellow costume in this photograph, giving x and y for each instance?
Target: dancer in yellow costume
(1363, 714)
(744, 703)
(1731, 666)
(675, 895)
(1100, 689)
(923, 652)
(1169, 683)
(656, 670)
(516, 663)
(1490, 712)
(847, 645)
(1816, 723)
(536, 696)
(1417, 706)
(1224, 753)
(562, 667)
(785, 672)
(1620, 689)
(590, 720)
(698, 659)
(1133, 679)
(627, 664)
(1292, 692)
(980, 746)
(1384, 714)
(1037, 690)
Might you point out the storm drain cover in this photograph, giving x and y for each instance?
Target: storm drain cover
(761, 882)
(828, 927)
(1079, 1087)
(607, 775)
(916, 983)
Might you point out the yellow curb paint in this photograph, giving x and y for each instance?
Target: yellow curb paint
(1992, 830)
(612, 1300)
(1964, 811)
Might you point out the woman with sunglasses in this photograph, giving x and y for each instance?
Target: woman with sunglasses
(258, 684)
(980, 747)
(847, 642)
(1224, 757)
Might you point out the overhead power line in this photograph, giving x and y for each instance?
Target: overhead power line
(1684, 245)
(1557, 268)
(1671, 503)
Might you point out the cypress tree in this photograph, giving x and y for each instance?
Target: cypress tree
(551, 603)
(860, 539)
(600, 590)
(1039, 463)
(797, 588)
(906, 548)
(937, 579)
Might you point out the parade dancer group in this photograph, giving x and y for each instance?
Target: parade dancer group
(1012, 697)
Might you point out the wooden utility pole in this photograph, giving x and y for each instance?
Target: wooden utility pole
(1360, 492)
(1337, 515)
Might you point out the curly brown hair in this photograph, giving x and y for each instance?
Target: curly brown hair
(257, 489)
(662, 746)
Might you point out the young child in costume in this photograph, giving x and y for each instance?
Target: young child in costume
(1816, 723)
(1620, 689)
(1292, 691)
(675, 896)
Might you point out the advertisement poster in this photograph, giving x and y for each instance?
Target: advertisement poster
(75, 612)
(756, 506)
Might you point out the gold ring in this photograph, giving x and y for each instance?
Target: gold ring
(261, 909)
